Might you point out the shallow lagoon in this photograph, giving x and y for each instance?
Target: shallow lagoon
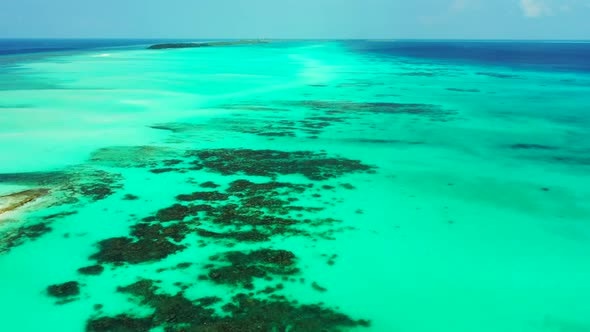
(376, 192)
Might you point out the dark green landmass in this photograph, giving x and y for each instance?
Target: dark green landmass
(206, 44)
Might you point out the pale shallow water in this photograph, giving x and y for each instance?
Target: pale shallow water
(474, 215)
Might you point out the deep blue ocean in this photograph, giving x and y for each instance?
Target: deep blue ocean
(535, 55)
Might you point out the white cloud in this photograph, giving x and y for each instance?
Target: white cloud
(535, 8)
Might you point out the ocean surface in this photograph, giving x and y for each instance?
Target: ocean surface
(395, 186)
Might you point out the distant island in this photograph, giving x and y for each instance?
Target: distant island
(206, 44)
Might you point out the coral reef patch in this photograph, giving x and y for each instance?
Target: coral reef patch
(242, 313)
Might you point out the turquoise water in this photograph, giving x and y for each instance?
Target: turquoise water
(411, 195)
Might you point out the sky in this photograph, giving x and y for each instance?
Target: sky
(362, 19)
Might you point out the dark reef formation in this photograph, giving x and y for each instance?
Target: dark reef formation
(68, 289)
(419, 74)
(233, 213)
(203, 196)
(463, 90)
(65, 293)
(387, 141)
(313, 117)
(209, 184)
(524, 146)
(20, 235)
(130, 197)
(175, 212)
(145, 248)
(59, 215)
(119, 323)
(242, 313)
(497, 75)
(313, 165)
(239, 268)
(430, 111)
(93, 270)
(245, 212)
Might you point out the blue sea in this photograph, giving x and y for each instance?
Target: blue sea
(359, 185)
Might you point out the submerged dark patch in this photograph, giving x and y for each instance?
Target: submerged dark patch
(497, 75)
(15, 237)
(93, 270)
(65, 290)
(523, 146)
(422, 74)
(123, 250)
(153, 239)
(209, 184)
(430, 111)
(59, 215)
(175, 212)
(240, 268)
(246, 236)
(256, 212)
(463, 90)
(163, 170)
(96, 191)
(318, 288)
(314, 166)
(203, 196)
(572, 160)
(130, 197)
(242, 313)
(156, 231)
(245, 212)
(248, 107)
(119, 323)
(379, 141)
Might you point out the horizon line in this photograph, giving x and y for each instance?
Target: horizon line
(288, 39)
